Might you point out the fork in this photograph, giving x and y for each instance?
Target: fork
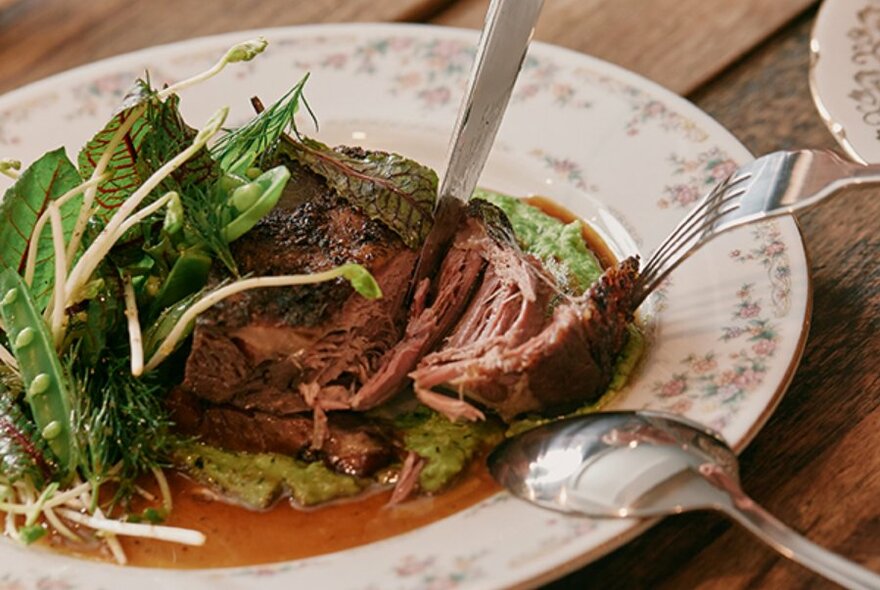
(776, 184)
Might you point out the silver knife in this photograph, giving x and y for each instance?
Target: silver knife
(503, 44)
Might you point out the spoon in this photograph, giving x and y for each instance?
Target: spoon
(648, 464)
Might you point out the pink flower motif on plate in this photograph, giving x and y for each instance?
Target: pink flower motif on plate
(699, 175)
(724, 386)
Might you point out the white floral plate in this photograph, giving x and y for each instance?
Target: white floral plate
(845, 74)
(620, 151)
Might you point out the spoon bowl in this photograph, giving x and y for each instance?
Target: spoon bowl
(648, 464)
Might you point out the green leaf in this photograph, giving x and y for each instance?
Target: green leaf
(240, 148)
(22, 452)
(168, 135)
(32, 533)
(45, 180)
(362, 281)
(388, 187)
(124, 174)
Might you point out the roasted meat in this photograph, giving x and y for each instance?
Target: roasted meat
(353, 445)
(257, 350)
(521, 345)
(288, 369)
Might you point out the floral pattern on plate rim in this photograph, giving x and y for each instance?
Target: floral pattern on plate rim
(720, 382)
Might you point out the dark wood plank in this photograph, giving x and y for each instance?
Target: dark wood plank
(41, 37)
(679, 43)
(815, 464)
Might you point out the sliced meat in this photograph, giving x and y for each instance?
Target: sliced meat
(459, 273)
(352, 350)
(257, 350)
(353, 445)
(522, 346)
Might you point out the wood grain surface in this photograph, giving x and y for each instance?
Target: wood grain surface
(816, 463)
(679, 43)
(41, 37)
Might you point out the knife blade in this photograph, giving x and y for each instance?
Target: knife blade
(503, 44)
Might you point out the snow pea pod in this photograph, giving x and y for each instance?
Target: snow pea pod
(188, 275)
(257, 197)
(41, 373)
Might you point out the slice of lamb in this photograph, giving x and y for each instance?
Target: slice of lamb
(252, 350)
(565, 362)
(353, 445)
(427, 325)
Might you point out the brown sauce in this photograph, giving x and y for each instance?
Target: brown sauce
(237, 536)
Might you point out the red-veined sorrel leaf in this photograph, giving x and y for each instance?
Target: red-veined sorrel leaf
(124, 174)
(388, 187)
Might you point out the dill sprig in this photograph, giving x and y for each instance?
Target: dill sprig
(124, 427)
(255, 141)
(205, 219)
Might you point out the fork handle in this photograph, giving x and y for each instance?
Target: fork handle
(797, 548)
(854, 175)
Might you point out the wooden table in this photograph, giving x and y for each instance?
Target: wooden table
(815, 464)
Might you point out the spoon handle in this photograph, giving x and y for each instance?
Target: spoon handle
(797, 548)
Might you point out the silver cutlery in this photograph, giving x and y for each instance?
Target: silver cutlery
(649, 464)
(778, 183)
(503, 44)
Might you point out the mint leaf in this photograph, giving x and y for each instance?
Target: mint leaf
(388, 187)
(45, 180)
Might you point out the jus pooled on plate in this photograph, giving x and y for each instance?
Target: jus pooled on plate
(239, 311)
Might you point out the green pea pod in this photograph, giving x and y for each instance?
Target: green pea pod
(45, 385)
(173, 215)
(271, 184)
(188, 275)
(159, 329)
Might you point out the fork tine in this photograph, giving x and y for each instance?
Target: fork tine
(655, 265)
(700, 209)
(722, 200)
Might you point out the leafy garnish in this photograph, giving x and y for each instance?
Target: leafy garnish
(45, 180)
(205, 220)
(125, 176)
(361, 280)
(101, 318)
(395, 190)
(168, 135)
(22, 452)
(120, 420)
(32, 533)
(256, 140)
